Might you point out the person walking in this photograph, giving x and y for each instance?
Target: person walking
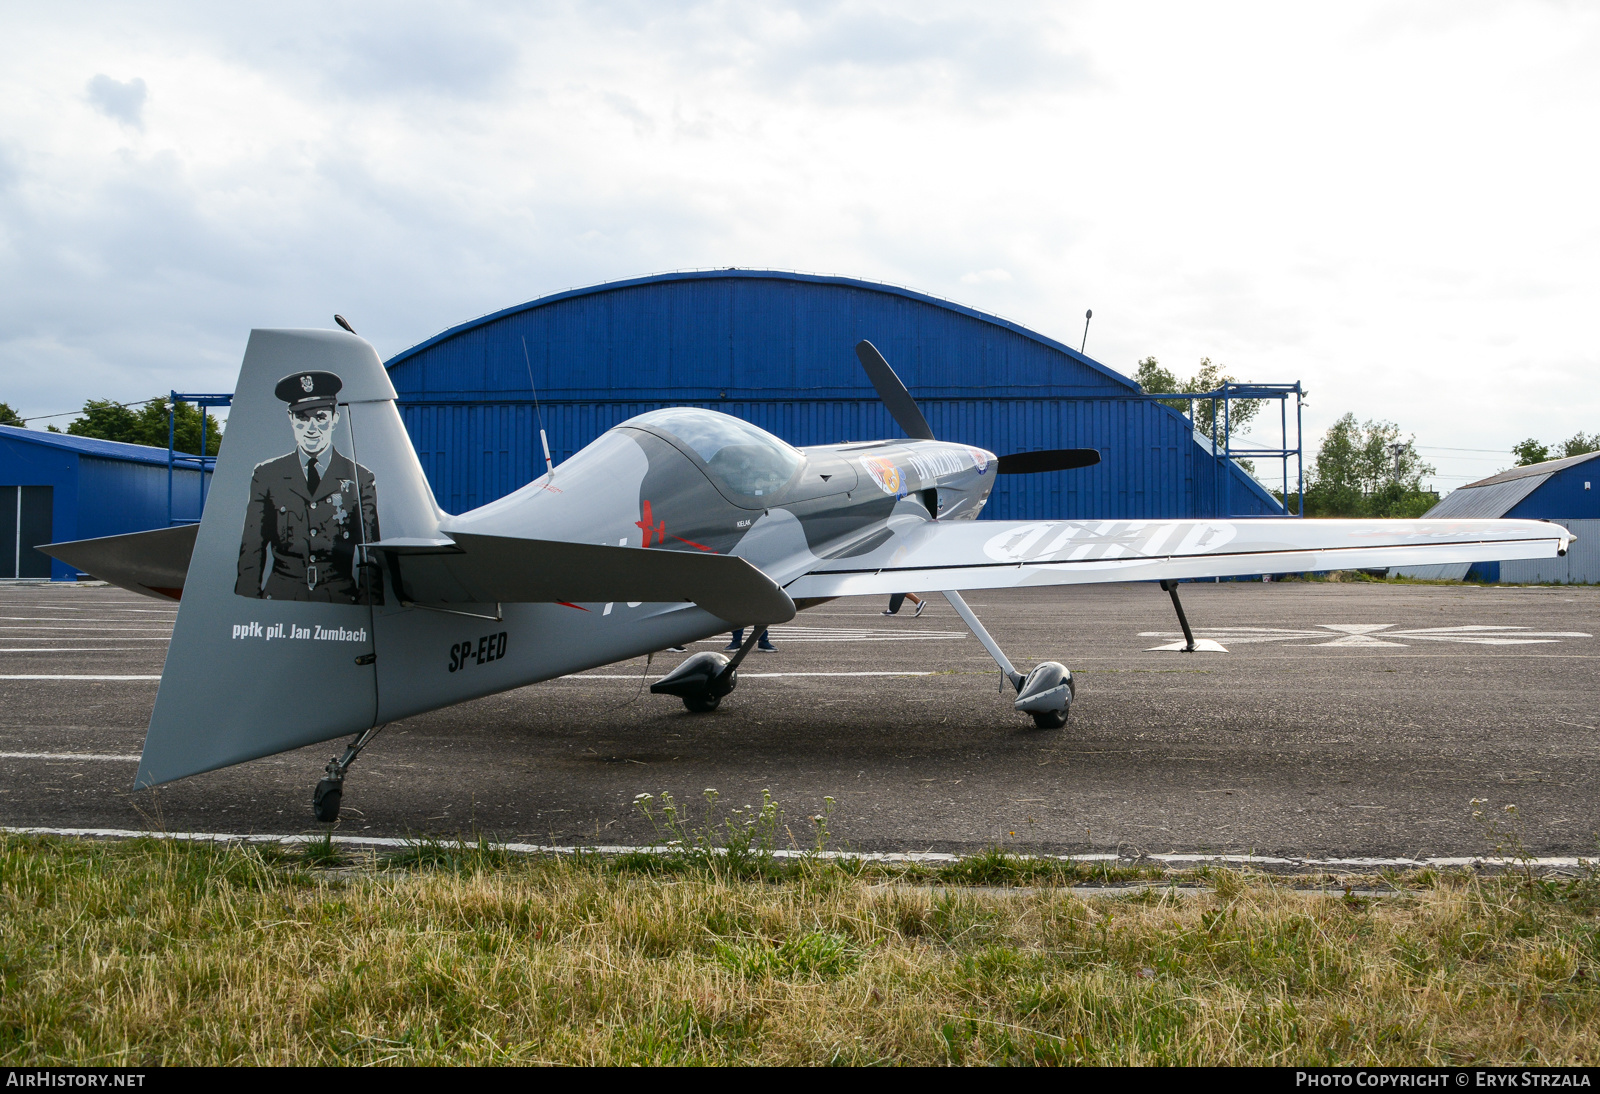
(764, 644)
(900, 598)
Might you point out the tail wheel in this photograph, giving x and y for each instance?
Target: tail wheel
(702, 704)
(1049, 719)
(325, 802)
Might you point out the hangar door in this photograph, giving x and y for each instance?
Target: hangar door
(24, 521)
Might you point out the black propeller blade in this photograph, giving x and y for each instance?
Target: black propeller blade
(903, 409)
(1057, 459)
(901, 406)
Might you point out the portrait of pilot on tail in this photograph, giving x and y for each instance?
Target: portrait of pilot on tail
(310, 510)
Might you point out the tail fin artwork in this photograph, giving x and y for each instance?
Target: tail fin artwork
(274, 645)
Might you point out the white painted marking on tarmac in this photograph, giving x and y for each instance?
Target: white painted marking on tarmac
(1201, 645)
(784, 633)
(742, 675)
(115, 630)
(103, 608)
(1346, 635)
(760, 675)
(1359, 634)
(69, 619)
(575, 676)
(67, 676)
(122, 756)
(1548, 862)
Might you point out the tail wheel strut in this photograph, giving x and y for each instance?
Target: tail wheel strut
(326, 798)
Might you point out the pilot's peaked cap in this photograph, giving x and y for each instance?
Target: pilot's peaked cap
(309, 390)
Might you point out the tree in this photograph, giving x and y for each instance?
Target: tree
(11, 417)
(147, 425)
(1580, 443)
(1153, 378)
(1365, 470)
(109, 422)
(1532, 451)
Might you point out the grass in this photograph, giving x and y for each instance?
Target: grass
(158, 952)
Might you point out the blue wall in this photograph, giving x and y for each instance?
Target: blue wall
(777, 349)
(118, 496)
(1563, 495)
(25, 464)
(101, 488)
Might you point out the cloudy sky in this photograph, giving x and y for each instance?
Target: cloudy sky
(1395, 204)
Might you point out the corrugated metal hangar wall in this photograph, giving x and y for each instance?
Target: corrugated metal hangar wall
(777, 349)
(55, 486)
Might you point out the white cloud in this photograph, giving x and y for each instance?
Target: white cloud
(1393, 206)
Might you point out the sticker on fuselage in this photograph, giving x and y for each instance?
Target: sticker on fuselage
(886, 473)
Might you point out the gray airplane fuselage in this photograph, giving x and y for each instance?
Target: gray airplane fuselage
(666, 481)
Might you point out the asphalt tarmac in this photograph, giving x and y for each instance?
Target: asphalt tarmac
(1346, 719)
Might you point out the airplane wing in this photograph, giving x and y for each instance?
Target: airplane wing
(469, 568)
(933, 556)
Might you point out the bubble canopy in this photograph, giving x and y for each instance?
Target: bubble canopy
(737, 455)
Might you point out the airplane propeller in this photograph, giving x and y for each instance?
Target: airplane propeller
(896, 399)
(904, 410)
(1053, 459)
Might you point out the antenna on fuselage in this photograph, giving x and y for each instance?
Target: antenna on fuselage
(544, 442)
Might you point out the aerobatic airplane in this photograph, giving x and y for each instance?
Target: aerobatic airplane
(325, 593)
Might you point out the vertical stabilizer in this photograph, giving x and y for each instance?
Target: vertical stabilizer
(274, 645)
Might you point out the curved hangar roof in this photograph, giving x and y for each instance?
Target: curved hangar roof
(777, 349)
(775, 335)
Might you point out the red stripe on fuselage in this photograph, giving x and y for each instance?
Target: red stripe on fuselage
(692, 543)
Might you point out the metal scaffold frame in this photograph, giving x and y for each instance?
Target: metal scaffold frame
(201, 463)
(1222, 450)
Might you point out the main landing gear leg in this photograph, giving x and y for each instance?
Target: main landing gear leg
(1046, 693)
(729, 673)
(325, 800)
(705, 678)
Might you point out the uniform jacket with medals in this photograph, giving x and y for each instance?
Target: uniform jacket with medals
(313, 535)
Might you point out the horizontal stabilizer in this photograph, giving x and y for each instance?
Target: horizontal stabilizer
(154, 563)
(478, 569)
(1056, 459)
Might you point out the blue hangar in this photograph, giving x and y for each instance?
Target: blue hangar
(777, 349)
(1565, 491)
(56, 486)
